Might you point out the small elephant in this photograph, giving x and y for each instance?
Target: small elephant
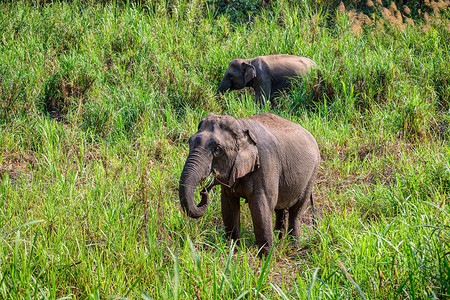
(268, 75)
(266, 159)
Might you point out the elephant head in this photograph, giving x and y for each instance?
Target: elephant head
(239, 74)
(222, 145)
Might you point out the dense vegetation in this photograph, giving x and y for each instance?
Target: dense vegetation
(98, 101)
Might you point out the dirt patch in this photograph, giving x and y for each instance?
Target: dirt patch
(16, 165)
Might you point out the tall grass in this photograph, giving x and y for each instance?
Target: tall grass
(97, 104)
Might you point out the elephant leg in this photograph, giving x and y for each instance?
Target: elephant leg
(231, 211)
(273, 103)
(273, 98)
(294, 218)
(296, 211)
(294, 221)
(263, 93)
(281, 221)
(261, 99)
(262, 224)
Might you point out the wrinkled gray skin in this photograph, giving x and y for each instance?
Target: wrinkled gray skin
(267, 160)
(267, 75)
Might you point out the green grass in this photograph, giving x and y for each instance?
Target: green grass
(97, 104)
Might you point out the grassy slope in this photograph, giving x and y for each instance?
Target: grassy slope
(98, 103)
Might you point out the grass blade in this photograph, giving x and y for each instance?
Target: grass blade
(350, 278)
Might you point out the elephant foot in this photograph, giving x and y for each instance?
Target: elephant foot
(294, 242)
(264, 251)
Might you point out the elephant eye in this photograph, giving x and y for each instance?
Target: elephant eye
(217, 150)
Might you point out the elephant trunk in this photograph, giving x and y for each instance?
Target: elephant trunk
(223, 87)
(190, 177)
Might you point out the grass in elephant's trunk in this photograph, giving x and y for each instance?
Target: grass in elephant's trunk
(206, 183)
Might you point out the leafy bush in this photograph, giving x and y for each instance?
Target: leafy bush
(237, 10)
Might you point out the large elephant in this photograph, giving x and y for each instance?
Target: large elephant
(268, 75)
(266, 159)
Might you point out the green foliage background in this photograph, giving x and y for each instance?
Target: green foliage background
(98, 100)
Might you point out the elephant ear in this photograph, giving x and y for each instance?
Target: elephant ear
(249, 71)
(200, 124)
(247, 159)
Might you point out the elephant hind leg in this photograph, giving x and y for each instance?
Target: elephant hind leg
(281, 221)
(294, 220)
(296, 211)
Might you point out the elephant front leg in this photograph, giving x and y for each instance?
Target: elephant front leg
(263, 93)
(260, 100)
(262, 224)
(231, 212)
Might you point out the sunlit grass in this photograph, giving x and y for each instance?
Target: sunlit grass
(98, 102)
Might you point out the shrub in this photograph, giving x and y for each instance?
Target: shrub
(237, 10)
